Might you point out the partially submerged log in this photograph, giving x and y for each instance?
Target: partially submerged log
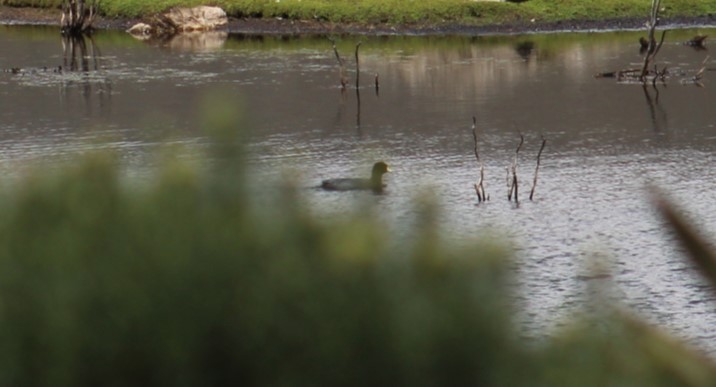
(648, 72)
(619, 74)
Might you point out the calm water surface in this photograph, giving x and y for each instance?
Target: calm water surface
(606, 141)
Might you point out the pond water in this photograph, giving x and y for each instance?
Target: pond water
(605, 140)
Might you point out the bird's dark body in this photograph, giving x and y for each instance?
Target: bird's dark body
(375, 182)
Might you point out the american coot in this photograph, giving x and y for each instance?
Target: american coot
(375, 182)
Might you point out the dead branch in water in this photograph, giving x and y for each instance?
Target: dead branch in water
(474, 137)
(696, 79)
(513, 184)
(700, 73)
(357, 86)
(377, 85)
(619, 75)
(649, 72)
(652, 48)
(357, 65)
(650, 58)
(539, 156)
(78, 17)
(479, 186)
(341, 65)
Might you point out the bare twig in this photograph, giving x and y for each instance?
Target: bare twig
(479, 186)
(509, 182)
(478, 190)
(539, 156)
(480, 183)
(474, 137)
(514, 185)
(357, 65)
(653, 48)
(661, 42)
(341, 64)
(700, 73)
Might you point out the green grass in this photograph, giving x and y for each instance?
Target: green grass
(184, 280)
(410, 11)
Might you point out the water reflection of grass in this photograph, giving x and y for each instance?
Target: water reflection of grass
(183, 281)
(552, 41)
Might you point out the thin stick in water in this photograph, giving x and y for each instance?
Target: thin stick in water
(479, 186)
(539, 156)
(514, 186)
(357, 66)
(341, 64)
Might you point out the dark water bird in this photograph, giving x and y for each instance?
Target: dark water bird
(697, 41)
(525, 49)
(374, 183)
(643, 44)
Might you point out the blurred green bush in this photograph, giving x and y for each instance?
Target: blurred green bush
(183, 282)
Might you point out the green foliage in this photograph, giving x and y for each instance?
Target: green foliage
(185, 282)
(409, 11)
(697, 247)
(621, 351)
(32, 3)
(189, 280)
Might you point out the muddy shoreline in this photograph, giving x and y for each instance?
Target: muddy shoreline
(254, 26)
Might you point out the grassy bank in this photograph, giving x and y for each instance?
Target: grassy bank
(185, 282)
(466, 12)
